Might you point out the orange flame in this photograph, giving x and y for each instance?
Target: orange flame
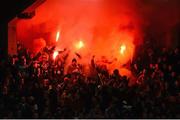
(55, 54)
(122, 49)
(57, 36)
(80, 45)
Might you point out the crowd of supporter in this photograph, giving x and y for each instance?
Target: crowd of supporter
(36, 86)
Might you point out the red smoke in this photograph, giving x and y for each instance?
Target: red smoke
(103, 26)
(38, 45)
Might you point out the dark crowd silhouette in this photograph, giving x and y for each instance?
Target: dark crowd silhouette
(36, 86)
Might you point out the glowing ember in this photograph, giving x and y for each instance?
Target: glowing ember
(57, 36)
(79, 45)
(122, 49)
(55, 54)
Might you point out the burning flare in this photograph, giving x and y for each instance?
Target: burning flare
(57, 36)
(79, 45)
(55, 54)
(122, 49)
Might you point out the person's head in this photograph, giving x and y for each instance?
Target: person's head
(164, 66)
(31, 55)
(59, 62)
(14, 59)
(176, 51)
(164, 59)
(23, 57)
(156, 66)
(24, 61)
(74, 61)
(164, 50)
(144, 71)
(14, 56)
(116, 72)
(177, 83)
(159, 60)
(173, 74)
(151, 66)
(170, 67)
(66, 79)
(23, 99)
(19, 47)
(36, 85)
(35, 64)
(135, 66)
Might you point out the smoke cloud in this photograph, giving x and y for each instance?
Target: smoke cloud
(102, 25)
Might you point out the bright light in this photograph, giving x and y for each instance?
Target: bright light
(57, 36)
(122, 49)
(55, 54)
(79, 45)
